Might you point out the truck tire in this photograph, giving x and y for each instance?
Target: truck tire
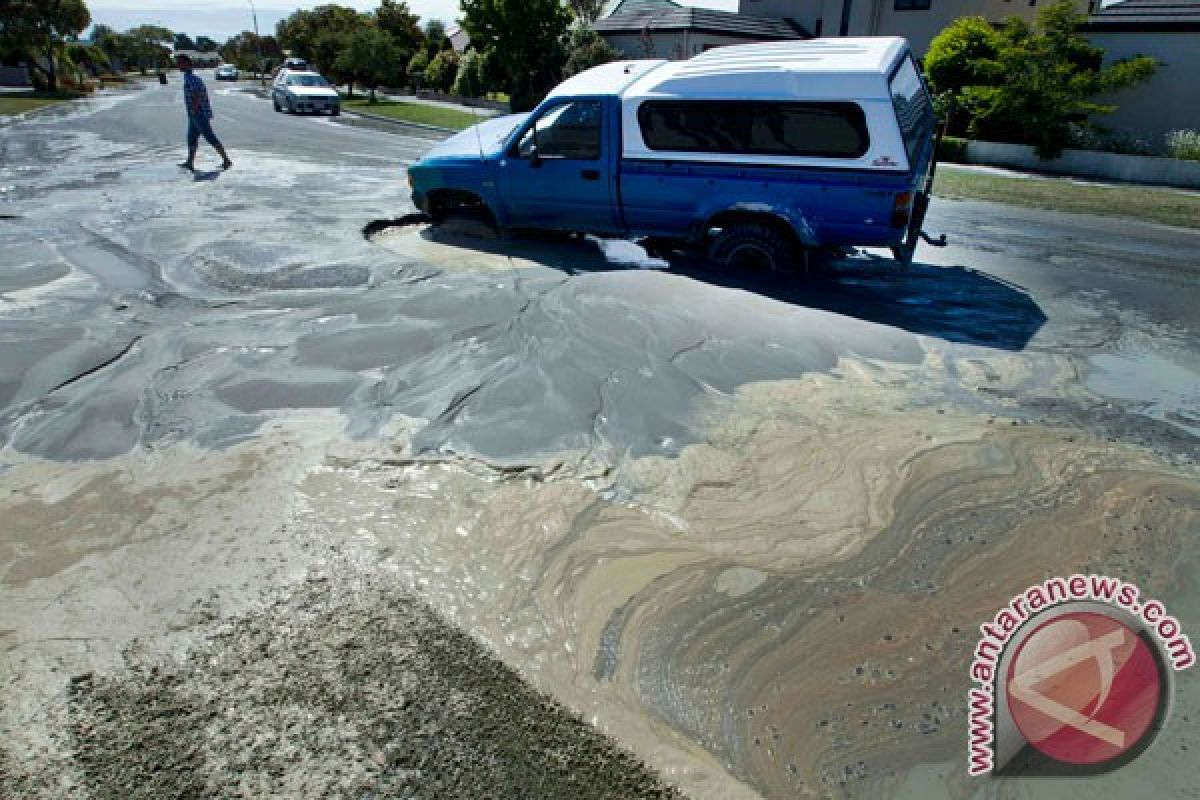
(474, 222)
(752, 246)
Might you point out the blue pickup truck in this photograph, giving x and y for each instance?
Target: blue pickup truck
(756, 155)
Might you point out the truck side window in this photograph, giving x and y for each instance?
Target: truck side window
(828, 130)
(570, 130)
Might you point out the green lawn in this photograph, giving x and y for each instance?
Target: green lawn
(1139, 202)
(415, 112)
(18, 103)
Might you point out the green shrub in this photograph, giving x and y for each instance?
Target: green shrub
(952, 149)
(1184, 144)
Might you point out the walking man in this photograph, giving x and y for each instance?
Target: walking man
(199, 112)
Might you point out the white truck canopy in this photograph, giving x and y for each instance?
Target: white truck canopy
(818, 70)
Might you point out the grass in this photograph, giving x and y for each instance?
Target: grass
(20, 102)
(1136, 202)
(415, 112)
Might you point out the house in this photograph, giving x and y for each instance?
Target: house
(1168, 30)
(199, 59)
(916, 20)
(460, 40)
(664, 29)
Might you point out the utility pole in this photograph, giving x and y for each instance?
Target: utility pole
(258, 45)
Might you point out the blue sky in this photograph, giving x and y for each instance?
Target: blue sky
(225, 18)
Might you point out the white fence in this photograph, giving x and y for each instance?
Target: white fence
(1089, 164)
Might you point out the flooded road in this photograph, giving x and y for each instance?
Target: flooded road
(745, 526)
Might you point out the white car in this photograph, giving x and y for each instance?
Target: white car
(304, 91)
(227, 72)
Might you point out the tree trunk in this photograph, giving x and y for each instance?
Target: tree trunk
(51, 73)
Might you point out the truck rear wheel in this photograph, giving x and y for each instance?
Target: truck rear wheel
(752, 246)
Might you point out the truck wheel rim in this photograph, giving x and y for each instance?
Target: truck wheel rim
(751, 256)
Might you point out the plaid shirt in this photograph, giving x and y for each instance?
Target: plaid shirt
(195, 97)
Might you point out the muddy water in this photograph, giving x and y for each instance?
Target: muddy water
(809, 635)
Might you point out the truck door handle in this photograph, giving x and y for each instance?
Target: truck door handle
(590, 174)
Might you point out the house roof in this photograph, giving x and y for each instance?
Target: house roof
(1146, 15)
(701, 19)
(627, 6)
(1157, 8)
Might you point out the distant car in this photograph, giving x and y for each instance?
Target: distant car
(295, 64)
(227, 72)
(304, 91)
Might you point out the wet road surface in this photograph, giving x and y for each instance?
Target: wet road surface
(743, 525)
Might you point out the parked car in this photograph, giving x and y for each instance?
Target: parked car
(304, 91)
(756, 154)
(226, 72)
(296, 64)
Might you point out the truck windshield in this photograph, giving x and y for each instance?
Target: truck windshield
(914, 112)
(828, 130)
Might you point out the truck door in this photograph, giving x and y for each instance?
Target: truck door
(558, 174)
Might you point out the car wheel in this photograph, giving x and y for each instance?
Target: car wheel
(475, 222)
(275, 103)
(337, 111)
(752, 246)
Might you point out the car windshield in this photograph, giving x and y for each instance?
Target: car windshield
(307, 80)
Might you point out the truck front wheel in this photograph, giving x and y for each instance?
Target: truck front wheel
(752, 246)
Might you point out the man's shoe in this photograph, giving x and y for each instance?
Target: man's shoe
(226, 164)
(190, 167)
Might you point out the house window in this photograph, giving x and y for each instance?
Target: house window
(912, 5)
(747, 127)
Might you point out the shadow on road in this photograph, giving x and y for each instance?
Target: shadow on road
(954, 303)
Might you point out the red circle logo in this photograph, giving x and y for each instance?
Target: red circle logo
(1084, 688)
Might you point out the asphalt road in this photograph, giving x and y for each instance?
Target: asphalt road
(244, 120)
(297, 501)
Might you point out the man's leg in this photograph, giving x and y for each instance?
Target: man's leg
(211, 138)
(193, 143)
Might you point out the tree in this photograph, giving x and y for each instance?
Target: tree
(39, 28)
(587, 49)
(150, 45)
(302, 31)
(371, 57)
(527, 37)
(206, 45)
(470, 80)
(243, 51)
(88, 57)
(393, 18)
(442, 70)
(586, 11)
(416, 68)
(1026, 84)
(184, 42)
(435, 38)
